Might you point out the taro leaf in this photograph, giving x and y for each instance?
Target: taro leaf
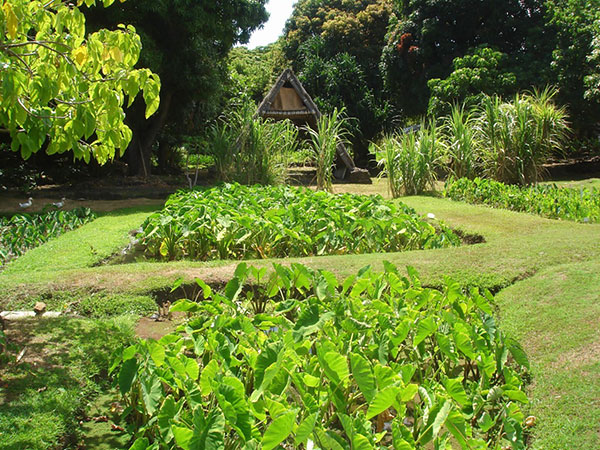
(167, 413)
(140, 444)
(327, 440)
(517, 352)
(151, 393)
(233, 288)
(183, 436)
(206, 290)
(207, 376)
(516, 395)
(232, 400)
(335, 366)
(409, 392)
(184, 305)
(425, 328)
(363, 375)
(279, 430)
(382, 401)
(441, 417)
(463, 343)
(305, 429)
(209, 432)
(485, 422)
(177, 365)
(157, 352)
(455, 389)
(178, 282)
(360, 442)
(191, 368)
(127, 374)
(310, 321)
(456, 425)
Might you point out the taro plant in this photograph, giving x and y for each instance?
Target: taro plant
(582, 205)
(22, 232)
(240, 222)
(375, 362)
(331, 132)
(409, 161)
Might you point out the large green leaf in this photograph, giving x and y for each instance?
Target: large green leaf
(425, 328)
(383, 400)
(335, 366)
(279, 430)
(454, 388)
(127, 374)
(363, 375)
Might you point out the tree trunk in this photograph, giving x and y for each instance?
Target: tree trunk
(139, 152)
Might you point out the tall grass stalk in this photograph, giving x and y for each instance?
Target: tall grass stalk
(250, 150)
(410, 160)
(461, 142)
(331, 131)
(519, 136)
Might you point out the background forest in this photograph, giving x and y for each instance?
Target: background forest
(388, 63)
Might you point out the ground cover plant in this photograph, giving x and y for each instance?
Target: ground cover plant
(299, 360)
(22, 232)
(240, 222)
(581, 205)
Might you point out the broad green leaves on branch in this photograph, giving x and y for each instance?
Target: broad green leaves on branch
(62, 90)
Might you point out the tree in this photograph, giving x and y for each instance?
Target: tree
(186, 43)
(425, 36)
(575, 25)
(335, 47)
(479, 73)
(251, 73)
(63, 90)
(592, 81)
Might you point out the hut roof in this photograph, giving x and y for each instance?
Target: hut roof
(288, 99)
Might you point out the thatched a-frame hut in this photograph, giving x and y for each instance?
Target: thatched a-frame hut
(288, 99)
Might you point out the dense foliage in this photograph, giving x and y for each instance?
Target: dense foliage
(301, 361)
(186, 42)
(250, 150)
(409, 161)
(582, 205)
(335, 47)
(239, 222)
(22, 232)
(65, 90)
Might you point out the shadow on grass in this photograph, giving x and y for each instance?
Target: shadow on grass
(64, 366)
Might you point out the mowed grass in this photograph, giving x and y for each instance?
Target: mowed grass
(555, 315)
(549, 269)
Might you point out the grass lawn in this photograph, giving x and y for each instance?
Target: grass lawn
(63, 367)
(546, 273)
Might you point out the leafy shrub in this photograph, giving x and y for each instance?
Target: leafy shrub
(104, 305)
(296, 360)
(22, 232)
(409, 160)
(582, 205)
(240, 222)
(250, 150)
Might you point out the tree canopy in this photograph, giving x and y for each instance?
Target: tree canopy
(186, 43)
(63, 90)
